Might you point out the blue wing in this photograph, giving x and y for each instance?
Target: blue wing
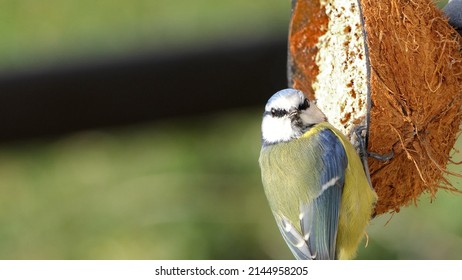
(319, 217)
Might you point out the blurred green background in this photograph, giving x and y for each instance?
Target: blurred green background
(171, 189)
(37, 33)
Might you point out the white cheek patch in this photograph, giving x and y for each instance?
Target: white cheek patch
(277, 129)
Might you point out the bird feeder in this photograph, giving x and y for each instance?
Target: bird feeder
(393, 67)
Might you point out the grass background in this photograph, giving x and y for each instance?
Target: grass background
(37, 33)
(172, 189)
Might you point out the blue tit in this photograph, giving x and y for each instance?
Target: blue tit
(454, 12)
(313, 179)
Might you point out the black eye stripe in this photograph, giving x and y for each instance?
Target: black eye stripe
(305, 105)
(278, 113)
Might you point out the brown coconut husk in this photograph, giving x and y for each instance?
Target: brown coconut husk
(415, 90)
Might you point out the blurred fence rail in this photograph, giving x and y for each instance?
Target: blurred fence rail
(141, 88)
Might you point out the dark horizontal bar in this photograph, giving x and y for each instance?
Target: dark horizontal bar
(140, 89)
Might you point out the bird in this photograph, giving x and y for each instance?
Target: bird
(314, 180)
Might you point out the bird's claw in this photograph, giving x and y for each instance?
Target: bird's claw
(358, 130)
(385, 157)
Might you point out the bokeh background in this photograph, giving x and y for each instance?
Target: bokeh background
(131, 130)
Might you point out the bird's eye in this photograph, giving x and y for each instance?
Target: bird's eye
(305, 105)
(278, 112)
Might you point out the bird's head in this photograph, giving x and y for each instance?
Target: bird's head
(288, 114)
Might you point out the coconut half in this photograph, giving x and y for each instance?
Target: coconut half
(393, 67)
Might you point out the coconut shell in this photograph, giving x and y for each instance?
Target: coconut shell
(393, 67)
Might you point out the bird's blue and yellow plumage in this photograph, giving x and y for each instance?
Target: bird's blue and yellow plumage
(316, 185)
